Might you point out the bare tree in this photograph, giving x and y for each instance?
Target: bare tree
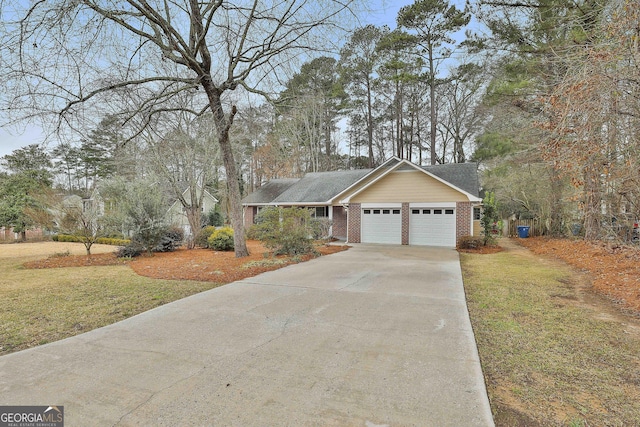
(76, 57)
(184, 159)
(82, 218)
(462, 116)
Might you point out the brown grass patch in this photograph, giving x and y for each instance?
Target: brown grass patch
(614, 269)
(552, 352)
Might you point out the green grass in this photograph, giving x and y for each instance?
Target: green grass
(41, 306)
(547, 359)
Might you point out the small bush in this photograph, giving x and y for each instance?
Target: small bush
(215, 219)
(286, 231)
(81, 239)
(112, 241)
(203, 236)
(170, 241)
(221, 240)
(67, 238)
(129, 251)
(470, 242)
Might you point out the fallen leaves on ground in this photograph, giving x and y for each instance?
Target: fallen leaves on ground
(615, 269)
(195, 264)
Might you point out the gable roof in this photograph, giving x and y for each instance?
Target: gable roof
(407, 165)
(462, 175)
(269, 191)
(183, 187)
(325, 187)
(320, 187)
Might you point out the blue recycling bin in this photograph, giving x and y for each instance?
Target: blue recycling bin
(523, 231)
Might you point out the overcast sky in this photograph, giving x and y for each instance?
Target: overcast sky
(12, 139)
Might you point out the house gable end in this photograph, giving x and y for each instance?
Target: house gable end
(406, 167)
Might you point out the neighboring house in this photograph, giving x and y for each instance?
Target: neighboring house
(91, 207)
(396, 203)
(176, 213)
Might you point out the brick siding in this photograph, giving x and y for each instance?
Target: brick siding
(354, 225)
(464, 210)
(405, 212)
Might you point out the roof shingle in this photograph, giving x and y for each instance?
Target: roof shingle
(269, 191)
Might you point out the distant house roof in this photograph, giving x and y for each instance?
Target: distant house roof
(182, 186)
(269, 191)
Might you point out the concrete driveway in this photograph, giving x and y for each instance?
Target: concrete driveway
(377, 335)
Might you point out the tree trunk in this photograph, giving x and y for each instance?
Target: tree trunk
(370, 124)
(592, 203)
(223, 124)
(432, 102)
(557, 212)
(194, 217)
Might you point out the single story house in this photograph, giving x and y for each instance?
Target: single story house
(398, 202)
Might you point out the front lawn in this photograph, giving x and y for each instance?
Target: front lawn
(552, 352)
(63, 294)
(45, 305)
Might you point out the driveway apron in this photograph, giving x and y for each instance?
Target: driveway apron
(374, 336)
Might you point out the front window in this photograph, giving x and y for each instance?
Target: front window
(320, 212)
(476, 214)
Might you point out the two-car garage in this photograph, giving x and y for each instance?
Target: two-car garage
(429, 225)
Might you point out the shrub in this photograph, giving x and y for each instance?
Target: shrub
(221, 239)
(214, 218)
(112, 241)
(129, 251)
(470, 242)
(285, 230)
(81, 239)
(171, 240)
(489, 217)
(68, 238)
(203, 236)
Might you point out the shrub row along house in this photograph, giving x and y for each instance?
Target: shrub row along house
(396, 203)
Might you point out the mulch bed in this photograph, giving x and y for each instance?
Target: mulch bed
(614, 269)
(196, 264)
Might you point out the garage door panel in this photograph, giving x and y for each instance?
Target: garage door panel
(381, 225)
(432, 227)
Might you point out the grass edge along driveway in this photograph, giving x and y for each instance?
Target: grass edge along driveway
(549, 358)
(46, 305)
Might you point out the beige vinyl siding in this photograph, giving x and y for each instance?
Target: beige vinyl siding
(374, 174)
(409, 186)
(477, 228)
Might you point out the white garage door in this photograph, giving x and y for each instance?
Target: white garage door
(432, 227)
(381, 225)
